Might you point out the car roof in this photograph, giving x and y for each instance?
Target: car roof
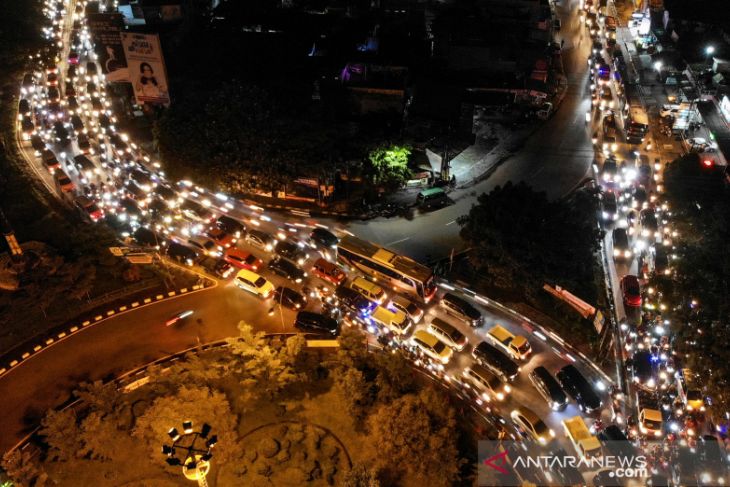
(428, 338)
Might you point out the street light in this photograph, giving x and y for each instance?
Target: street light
(709, 50)
(658, 66)
(186, 450)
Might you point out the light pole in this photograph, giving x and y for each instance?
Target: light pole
(186, 450)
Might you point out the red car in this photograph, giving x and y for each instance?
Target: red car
(631, 290)
(221, 238)
(242, 259)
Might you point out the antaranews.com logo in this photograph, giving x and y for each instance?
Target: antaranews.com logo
(512, 463)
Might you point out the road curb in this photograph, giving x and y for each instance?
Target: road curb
(31, 349)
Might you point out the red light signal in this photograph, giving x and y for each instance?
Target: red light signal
(707, 162)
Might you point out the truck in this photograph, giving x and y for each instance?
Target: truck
(517, 347)
(585, 444)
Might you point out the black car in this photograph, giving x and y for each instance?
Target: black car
(181, 253)
(615, 441)
(496, 361)
(661, 260)
(462, 309)
(91, 68)
(289, 270)
(549, 388)
(84, 144)
(96, 103)
(231, 226)
(317, 323)
(289, 298)
(714, 466)
(104, 121)
(216, 266)
(24, 107)
(166, 193)
(323, 238)
(145, 236)
(291, 251)
(130, 207)
(579, 389)
(77, 123)
(607, 478)
(353, 301)
(643, 370)
(37, 142)
(60, 133)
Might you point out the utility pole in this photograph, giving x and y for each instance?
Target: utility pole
(445, 160)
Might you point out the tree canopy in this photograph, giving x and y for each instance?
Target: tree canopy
(389, 165)
(520, 240)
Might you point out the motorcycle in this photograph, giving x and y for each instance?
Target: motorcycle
(178, 317)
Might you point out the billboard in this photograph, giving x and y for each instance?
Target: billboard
(106, 32)
(146, 68)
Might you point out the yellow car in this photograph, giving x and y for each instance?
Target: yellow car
(432, 346)
(530, 423)
(253, 283)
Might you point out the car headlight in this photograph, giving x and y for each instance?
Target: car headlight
(616, 252)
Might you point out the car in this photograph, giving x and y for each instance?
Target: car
(134, 191)
(621, 247)
(516, 347)
(648, 223)
(549, 388)
(661, 261)
(577, 387)
(496, 361)
(157, 208)
(77, 123)
(72, 73)
(323, 238)
(27, 127)
(243, 259)
(63, 182)
(222, 239)
(448, 334)
(204, 245)
(411, 309)
(38, 144)
(91, 88)
(644, 373)
(609, 206)
(317, 323)
(130, 208)
(462, 309)
(216, 266)
(606, 98)
(84, 145)
(88, 208)
(73, 57)
(556, 24)
(291, 251)
(60, 133)
(391, 320)
(289, 298)
(181, 253)
(355, 302)
(24, 108)
(167, 194)
(431, 346)
(609, 170)
(119, 144)
(631, 290)
(604, 73)
(147, 237)
(50, 161)
(231, 226)
(713, 461)
(143, 178)
(53, 94)
(328, 271)
(52, 79)
(254, 283)
(596, 47)
(96, 105)
(91, 69)
(287, 269)
(615, 442)
(526, 420)
(260, 239)
(485, 383)
(607, 478)
(196, 213)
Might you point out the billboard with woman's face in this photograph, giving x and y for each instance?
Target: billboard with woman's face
(146, 68)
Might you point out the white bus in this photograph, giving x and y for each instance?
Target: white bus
(400, 272)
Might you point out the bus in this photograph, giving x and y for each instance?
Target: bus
(402, 273)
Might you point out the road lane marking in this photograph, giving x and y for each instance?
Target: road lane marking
(451, 222)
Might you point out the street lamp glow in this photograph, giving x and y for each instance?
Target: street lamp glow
(658, 65)
(709, 50)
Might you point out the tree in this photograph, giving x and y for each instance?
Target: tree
(520, 239)
(103, 398)
(389, 166)
(395, 376)
(263, 369)
(418, 426)
(357, 393)
(198, 404)
(102, 439)
(61, 433)
(20, 468)
(353, 351)
(690, 186)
